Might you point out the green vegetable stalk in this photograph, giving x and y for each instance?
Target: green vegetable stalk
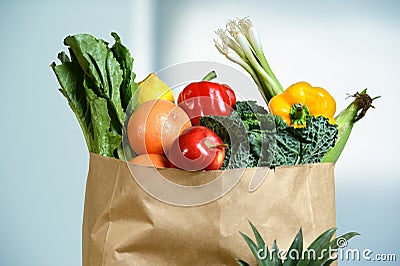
(240, 43)
(346, 120)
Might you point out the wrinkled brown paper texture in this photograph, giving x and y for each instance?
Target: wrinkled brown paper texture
(123, 225)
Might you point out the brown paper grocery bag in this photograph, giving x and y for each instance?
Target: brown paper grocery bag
(124, 225)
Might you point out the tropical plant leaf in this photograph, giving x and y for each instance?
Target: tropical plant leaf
(333, 245)
(275, 256)
(253, 247)
(314, 250)
(242, 262)
(259, 239)
(297, 248)
(315, 255)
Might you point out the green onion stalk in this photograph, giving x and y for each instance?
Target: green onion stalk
(241, 44)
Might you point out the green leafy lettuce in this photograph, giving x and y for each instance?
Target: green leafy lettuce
(98, 83)
(257, 138)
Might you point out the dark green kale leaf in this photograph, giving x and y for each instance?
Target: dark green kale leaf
(316, 139)
(286, 148)
(249, 112)
(249, 135)
(262, 145)
(303, 145)
(232, 131)
(250, 108)
(260, 128)
(269, 140)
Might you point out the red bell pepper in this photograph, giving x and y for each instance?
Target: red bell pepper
(206, 98)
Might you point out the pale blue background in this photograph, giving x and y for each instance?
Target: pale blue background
(343, 46)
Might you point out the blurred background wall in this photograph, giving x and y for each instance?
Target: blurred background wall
(343, 46)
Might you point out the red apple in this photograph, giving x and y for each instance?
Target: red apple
(197, 148)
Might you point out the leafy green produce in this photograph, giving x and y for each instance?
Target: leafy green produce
(98, 82)
(305, 145)
(123, 56)
(231, 129)
(257, 138)
(240, 42)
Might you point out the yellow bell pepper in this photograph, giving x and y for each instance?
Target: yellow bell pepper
(300, 101)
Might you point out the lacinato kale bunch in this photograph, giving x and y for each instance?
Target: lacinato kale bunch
(257, 138)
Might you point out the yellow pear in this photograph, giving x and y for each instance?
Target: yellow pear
(152, 88)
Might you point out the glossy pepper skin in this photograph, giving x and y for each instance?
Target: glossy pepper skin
(300, 101)
(206, 98)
